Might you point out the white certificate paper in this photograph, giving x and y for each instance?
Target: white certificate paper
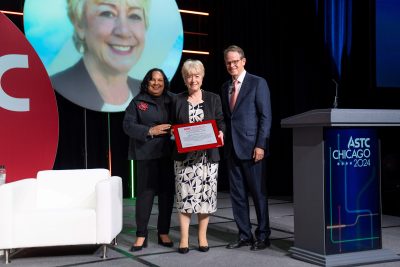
(197, 135)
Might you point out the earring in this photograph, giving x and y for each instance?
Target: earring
(81, 48)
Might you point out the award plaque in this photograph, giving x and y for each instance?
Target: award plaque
(196, 136)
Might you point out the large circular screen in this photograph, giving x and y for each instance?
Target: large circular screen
(96, 52)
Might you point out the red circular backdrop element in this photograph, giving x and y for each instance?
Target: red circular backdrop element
(28, 139)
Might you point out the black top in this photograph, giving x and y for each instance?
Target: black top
(212, 111)
(144, 112)
(76, 85)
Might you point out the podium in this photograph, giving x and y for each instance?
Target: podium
(336, 184)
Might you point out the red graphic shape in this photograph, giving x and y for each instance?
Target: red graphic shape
(28, 108)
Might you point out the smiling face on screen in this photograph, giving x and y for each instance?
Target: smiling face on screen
(114, 33)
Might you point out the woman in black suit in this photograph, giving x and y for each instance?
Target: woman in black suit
(196, 172)
(146, 122)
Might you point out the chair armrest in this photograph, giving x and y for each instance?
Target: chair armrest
(108, 209)
(15, 196)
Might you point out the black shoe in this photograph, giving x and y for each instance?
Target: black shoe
(204, 248)
(137, 248)
(240, 243)
(169, 244)
(183, 250)
(260, 244)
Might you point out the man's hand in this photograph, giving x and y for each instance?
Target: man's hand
(258, 154)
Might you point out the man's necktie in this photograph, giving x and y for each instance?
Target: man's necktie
(234, 94)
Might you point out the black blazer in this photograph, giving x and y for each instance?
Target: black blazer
(141, 114)
(76, 85)
(212, 111)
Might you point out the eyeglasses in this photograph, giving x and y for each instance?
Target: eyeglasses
(233, 62)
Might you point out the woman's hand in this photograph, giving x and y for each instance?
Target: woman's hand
(221, 136)
(159, 129)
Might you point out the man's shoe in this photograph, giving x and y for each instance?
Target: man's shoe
(240, 243)
(260, 244)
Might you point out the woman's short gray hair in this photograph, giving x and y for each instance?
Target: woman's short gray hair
(192, 66)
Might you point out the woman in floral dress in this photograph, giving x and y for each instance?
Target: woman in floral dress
(196, 172)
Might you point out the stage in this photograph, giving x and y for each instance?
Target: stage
(221, 231)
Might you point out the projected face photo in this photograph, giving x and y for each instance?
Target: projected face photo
(111, 44)
(112, 34)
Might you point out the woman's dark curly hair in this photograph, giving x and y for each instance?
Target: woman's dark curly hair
(145, 83)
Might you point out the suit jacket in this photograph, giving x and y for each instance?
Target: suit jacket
(212, 111)
(250, 121)
(141, 114)
(76, 85)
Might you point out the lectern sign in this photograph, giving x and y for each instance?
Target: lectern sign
(352, 190)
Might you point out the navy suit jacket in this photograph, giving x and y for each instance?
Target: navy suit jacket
(249, 123)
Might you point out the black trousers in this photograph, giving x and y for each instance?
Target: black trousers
(154, 177)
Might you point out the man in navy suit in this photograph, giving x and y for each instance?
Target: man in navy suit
(247, 111)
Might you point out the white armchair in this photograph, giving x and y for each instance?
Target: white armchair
(61, 207)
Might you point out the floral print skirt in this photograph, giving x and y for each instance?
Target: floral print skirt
(196, 184)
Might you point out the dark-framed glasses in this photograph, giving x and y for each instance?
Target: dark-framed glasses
(233, 62)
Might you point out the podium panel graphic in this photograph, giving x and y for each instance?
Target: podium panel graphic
(336, 184)
(352, 210)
